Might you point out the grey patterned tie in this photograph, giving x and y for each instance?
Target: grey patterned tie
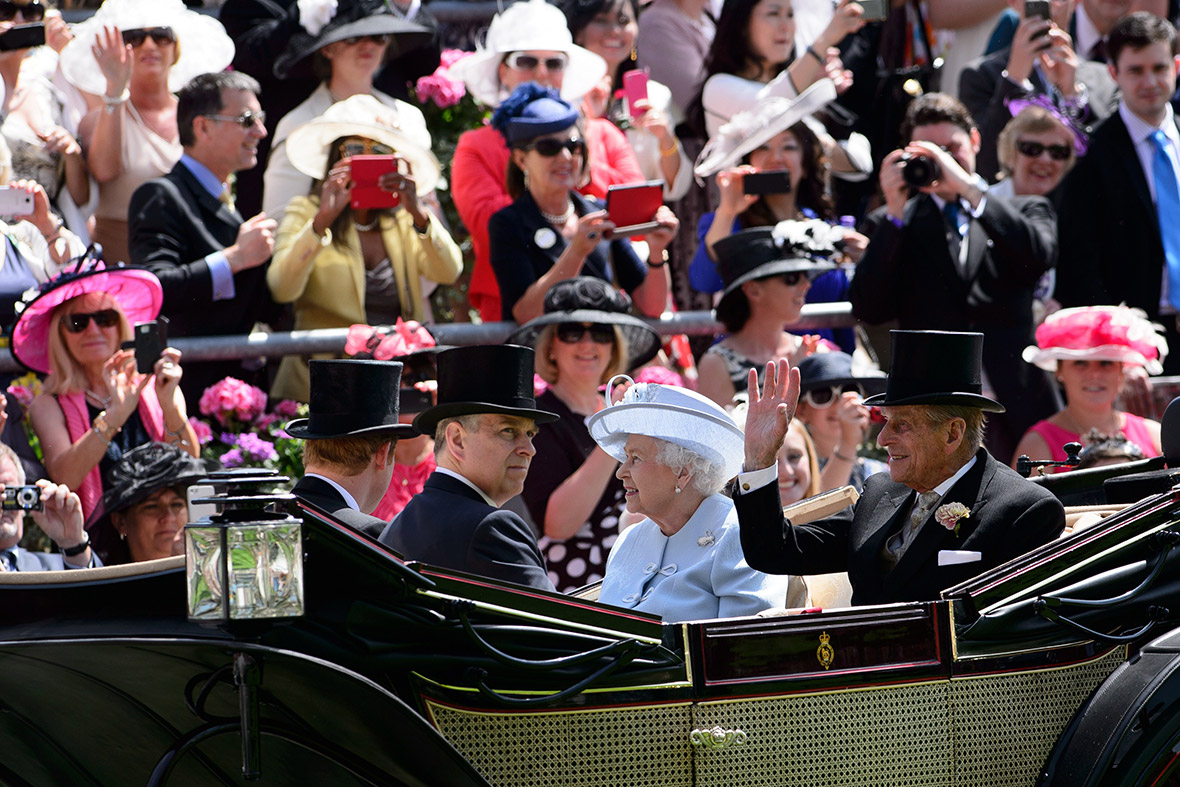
(898, 542)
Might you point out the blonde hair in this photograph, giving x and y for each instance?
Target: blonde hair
(814, 487)
(1030, 120)
(547, 370)
(65, 374)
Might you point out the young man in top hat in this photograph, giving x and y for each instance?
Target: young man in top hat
(351, 430)
(947, 512)
(483, 427)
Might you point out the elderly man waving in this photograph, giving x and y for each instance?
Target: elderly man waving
(947, 512)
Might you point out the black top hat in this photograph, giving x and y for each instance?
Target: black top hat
(765, 251)
(590, 299)
(351, 397)
(822, 370)
(354, 18)
(486, 378)
(936, 367)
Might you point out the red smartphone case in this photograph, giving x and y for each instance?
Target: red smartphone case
(632, 208)
(365, 171)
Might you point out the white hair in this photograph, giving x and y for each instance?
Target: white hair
(708, 478)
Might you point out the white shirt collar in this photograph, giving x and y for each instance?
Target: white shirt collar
(946, 485)
(349, 500)
(1087, 33)
(465, 480)
(1140, 130)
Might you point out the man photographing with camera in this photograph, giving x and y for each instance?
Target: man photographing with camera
(54, 508)
(946, 255)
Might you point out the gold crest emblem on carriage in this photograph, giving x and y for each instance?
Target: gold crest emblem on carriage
(825, 653)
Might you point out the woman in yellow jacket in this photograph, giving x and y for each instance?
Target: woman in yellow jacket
(340, 264)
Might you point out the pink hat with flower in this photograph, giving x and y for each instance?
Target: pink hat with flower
(1099, 333)
(137, 292)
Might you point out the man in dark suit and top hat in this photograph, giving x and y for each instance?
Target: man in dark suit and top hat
(946, 512)
(483, 426)
(351, 430)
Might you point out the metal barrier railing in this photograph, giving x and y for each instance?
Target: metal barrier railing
(331, 340)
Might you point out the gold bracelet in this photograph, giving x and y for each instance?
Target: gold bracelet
(672, 150)
(103, 429)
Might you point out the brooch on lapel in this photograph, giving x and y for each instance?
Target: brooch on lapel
(706, 540)
(545, 238)
(949, 515)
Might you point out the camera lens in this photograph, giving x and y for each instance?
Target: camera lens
(28, 497)
(920, 171)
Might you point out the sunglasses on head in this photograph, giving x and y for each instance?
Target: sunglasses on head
(246, 120)
(522, 61)
(572, 333)
(31, 12)
(550, 147)
(76, 323)
(822, 398)
(160, 36)
(1035, 149)
(377, 38)
(361, 147)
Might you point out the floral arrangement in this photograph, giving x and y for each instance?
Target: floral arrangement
(389, 341)
(449, 111)
(24, 390)
(239, 431)
(949, 515)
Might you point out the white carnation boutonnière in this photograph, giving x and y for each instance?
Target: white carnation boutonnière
(949, 515)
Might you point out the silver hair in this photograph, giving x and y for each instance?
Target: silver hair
(470, 423)
(708, 478)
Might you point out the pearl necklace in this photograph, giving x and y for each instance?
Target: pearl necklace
(372, 225)
(559, 219)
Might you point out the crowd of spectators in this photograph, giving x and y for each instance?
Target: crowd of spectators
(805, 153)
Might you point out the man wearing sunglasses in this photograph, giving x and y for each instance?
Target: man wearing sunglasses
(946, 511)
(185, 229)
(1040, 61)
(944, 254)
(1120, 206)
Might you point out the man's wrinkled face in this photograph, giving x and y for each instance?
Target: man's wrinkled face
(921, 454)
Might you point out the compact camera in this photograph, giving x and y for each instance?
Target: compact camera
(22, 498)
(919, 170)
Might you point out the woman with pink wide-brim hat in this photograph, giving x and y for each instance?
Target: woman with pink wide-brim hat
(95, 406)
(1090, 349)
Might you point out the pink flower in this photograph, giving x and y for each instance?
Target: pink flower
(286, 408)
(539, 385)
(204, 433)
(440, 87)
(21, 394)
(231, 397)
(659, 374)
(449, 57)
(405, 338)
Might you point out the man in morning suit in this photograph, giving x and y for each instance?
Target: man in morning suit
(483, 427)
(951, 257)
(184, 228)
(946, 512)
(1120, 210)
(351, 430)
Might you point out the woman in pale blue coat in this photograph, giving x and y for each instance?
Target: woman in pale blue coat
(684, 561)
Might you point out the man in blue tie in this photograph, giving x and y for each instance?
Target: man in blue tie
(1120, 211)
(949, 256)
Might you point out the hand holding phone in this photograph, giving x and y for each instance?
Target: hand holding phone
(874, 10)
(365, 172)
(635, 91)
(15, 202)
(773, 181)
(632, 208)
(22, 37)
(151, 338)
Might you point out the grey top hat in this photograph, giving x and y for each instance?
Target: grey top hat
(351, 398)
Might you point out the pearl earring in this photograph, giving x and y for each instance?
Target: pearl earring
(677, 490)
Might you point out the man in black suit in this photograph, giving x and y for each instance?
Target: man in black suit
(947, 511)
(1112, 248)
(184, 228)
(483, 427)
(1040, 61)
(351, 430)
(1092, 24)
(954, 258)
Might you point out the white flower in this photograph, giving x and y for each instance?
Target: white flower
(314, 14)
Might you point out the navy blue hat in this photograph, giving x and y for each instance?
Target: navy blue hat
(532, 111)
(823, 370)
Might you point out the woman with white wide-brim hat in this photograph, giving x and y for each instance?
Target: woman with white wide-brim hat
(1090, 349)
(685, 560)
(347, 49)
(527, 42)
(136, 54)
(342, 265)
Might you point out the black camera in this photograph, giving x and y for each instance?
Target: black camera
(22, 498)
(919, 170)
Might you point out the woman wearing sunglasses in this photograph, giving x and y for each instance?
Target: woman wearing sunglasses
(551, 232)
(340, 264)
(584, 338)
(1036, 150)
(135, 54)
(767, 272)
(527, 42)
(831, 407)
(95, 406)
(34, 126)
(346, 54)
